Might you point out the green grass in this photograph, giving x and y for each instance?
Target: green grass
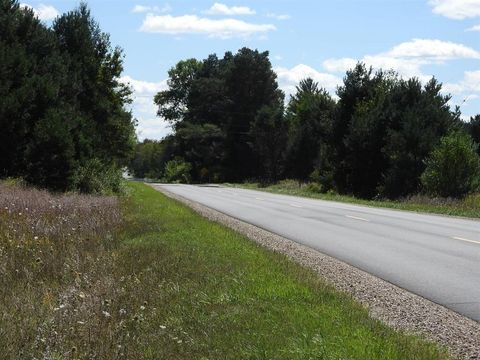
(226, 298)
(79, 280)
(468, 207)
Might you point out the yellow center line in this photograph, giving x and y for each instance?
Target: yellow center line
(357, 218)
(466, 240)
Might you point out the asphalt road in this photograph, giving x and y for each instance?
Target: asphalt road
(436, 257)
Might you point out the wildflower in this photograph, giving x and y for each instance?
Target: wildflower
(106, 314)
(142, 307)
(122, 311)
(35, 238)
(163, 327)
(81, 322)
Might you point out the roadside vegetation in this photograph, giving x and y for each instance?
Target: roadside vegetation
(62, 104)
(380, 137)
(469, 206)
(144, 277)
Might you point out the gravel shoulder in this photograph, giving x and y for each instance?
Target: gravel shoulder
(395, 306)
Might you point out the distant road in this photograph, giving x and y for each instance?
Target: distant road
(436, 257)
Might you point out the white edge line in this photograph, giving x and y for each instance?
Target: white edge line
(466, 240)
(295, 205)
(357, 218)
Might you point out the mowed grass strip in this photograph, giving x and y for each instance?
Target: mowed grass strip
(467, 207)
(219, 296)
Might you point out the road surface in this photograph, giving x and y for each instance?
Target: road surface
(436, 257)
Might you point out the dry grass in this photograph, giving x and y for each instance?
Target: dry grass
(55, 278)
(467, 207)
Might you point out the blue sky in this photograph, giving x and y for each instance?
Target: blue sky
(320, 39)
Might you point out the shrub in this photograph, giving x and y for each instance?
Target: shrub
(95, 177)
(453, 168)
(178, 171)
(314, 187)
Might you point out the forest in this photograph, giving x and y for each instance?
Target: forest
(380, 135)
(62, 107)
(66, 124)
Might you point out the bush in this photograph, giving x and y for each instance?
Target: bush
(178, 171)
(314, 187)
(95, 177)
(453, 168)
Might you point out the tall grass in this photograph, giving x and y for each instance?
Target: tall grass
(55, 272)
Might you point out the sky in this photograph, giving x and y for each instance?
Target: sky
(319, 39)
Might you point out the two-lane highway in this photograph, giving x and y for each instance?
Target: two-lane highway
(436, 257)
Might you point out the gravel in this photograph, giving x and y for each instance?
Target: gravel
(394, 306)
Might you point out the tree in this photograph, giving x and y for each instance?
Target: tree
(359, 130)
(269, 133)
(473, 128)
(150, 158)
(172, 103)
(178, 170)
(61, 102)
(250, 84)
(309, 114)
(32, 74)
(453, 168)
(419, 116)
(212, 104)
(104, 128)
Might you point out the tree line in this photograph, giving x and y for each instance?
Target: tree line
(62, 108)
(379, 136)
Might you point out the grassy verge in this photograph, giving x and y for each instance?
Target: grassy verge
(468, 207)
(77, 281)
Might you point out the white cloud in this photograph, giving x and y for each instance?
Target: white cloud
(288, 79)
(456, 9)
(404, 67)
(474, 28)
(144, 110)
(144, 87)
(408, 58)
(433, 49)
(469, 84)
(43, 12)
(192, 24)
(222, 9)
(279, 16)
(157, 9)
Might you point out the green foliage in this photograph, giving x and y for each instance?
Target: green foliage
(269, 133)
(61, 102)
(473, 128)
(453, 168)
(384, 129)
(309, 114)
(178, 171)
(150, 158)
(213, 105)
(96, 177)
